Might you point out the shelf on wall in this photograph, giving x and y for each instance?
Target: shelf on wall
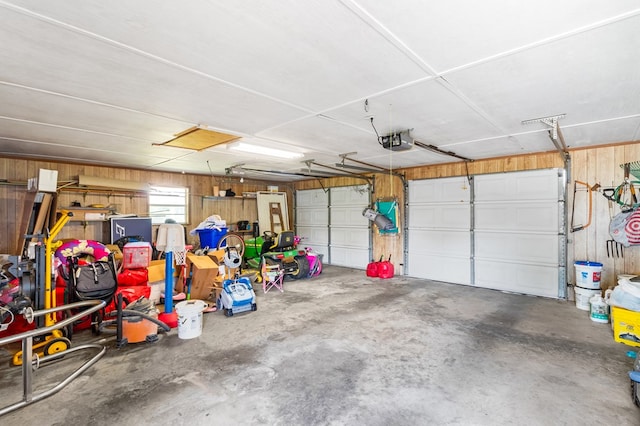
(218, 198)
(88, 214)
(103, 191)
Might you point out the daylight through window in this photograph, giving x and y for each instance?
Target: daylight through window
(168, 203)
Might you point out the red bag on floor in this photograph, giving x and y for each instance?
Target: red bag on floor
(385, 269)
(133, 277)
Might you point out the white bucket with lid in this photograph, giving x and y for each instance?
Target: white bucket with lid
(588, 274)
(190, 318)
(583, 296)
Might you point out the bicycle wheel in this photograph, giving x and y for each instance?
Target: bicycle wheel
(232, 240)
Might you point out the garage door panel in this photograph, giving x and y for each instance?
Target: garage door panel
(517, 186)
(439, 222)
(312, 198)
(352, 237)
(517, 217)
(518, 223)
(345, 216)
(312, 216)
(439, 190)
(538, 280)
(353, 258)
(440, 216)
(439, 243)
(312, 220)
(350, 196)
(441, 268)
(333, 224)
(527, 248)
(313, 235)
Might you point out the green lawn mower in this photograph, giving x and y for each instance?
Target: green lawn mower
(277, 249)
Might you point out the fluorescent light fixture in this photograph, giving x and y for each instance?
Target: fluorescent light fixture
(262, 150)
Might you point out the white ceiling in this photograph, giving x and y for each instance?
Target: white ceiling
(102, 82)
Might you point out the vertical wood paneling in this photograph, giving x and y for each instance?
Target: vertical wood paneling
(19, 170)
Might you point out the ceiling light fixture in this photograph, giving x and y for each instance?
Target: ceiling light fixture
(271, 152)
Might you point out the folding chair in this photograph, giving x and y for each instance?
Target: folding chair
(272, 276)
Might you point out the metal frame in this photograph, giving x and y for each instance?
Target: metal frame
(27, 351)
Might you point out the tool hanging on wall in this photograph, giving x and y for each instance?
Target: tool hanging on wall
(575, 228)
(625, 194)
(614, 249)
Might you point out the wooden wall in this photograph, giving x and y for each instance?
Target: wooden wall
(600, 166)
(15, 172)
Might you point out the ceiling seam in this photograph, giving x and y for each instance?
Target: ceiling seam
(76, 98)
(548, 40)
(58, 126)
(368, 19)
(66, 159)
(72, 147)
(322, 113)
(372, 22)
(143, 53)
(543, 130)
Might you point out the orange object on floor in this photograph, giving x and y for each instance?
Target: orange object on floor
(137, 329)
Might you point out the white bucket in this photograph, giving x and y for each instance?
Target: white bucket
(588, 274)
(190, 318)
(582, 297)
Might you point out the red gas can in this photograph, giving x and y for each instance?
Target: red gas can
(385, 269)
(372, 268)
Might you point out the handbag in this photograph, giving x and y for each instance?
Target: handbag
(94, 281)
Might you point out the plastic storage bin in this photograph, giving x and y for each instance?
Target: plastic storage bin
(626, 326)
(136, 255)
(210, 237)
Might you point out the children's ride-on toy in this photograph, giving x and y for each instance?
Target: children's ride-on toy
(278, 249)
(237, 293)
(237, 296)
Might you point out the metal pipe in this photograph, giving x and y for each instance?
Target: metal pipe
(27, 351)
(96, 305)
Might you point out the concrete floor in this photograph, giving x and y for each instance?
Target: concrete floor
(343, 349)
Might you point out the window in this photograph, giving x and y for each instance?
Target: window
(168, 203)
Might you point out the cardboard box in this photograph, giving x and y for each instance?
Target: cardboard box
(156, 270)
(217, 256)
(47, 181)
(626, 326)
(203, 275)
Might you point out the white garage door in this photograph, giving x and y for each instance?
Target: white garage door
(349, 233)
(519, 232)
(332, 224)
(439, 223)
(312, 220)
(504, 231)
